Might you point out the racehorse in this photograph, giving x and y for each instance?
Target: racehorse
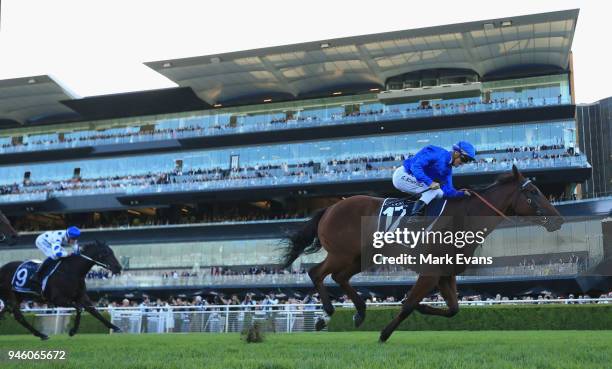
(65, 287)
(7, 232)
(339, 229)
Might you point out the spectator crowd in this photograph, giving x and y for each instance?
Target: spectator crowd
(226, 124)
(345, 169)
(270, 300)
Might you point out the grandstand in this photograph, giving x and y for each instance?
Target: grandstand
(206, 177)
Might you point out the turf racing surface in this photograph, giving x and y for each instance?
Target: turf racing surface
(488, 349)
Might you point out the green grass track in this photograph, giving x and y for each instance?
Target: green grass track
(484, 349)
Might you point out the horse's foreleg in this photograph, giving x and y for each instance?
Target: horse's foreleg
(77, 321)
(22, 320)
(342, 278)
(421, 288)
(88, 306)
(448, 290)
(92, 310)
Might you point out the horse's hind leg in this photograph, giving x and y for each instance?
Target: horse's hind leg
(448, 290)
(317, 275)
(342, 278)
(422, 287)
(22, 320)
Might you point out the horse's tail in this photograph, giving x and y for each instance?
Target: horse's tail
(303, 240)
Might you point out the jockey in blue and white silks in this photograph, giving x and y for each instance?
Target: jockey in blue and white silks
(430, 173)
(52, 244)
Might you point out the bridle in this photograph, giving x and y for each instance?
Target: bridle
(487, 203)
(531, 200)
(99, 263)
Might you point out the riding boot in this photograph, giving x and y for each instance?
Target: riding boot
(417, 208)
(36, 279)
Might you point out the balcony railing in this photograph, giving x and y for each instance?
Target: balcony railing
(359, 172)
(148, 281)
(391, 112)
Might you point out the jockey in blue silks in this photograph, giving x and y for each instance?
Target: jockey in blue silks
(430, 173)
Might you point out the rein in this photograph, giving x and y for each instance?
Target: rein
(94, 261)
(487, 203)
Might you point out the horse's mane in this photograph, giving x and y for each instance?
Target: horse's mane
(501, 179)
(91, 244)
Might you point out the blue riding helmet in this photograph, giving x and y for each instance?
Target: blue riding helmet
(73, 232)
(465, 148)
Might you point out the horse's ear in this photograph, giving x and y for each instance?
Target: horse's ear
(516, 173)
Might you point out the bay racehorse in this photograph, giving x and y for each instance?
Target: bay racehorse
(339, 229)
(65, 287)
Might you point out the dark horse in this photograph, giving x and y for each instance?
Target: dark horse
(65, 287)
(7, 232)
(338, 229)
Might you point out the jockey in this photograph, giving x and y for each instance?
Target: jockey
(52, 244)
(430, 173)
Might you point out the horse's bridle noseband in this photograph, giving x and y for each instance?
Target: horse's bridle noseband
(532, 200)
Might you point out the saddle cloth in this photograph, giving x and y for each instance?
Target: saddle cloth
(25, 271)
(393, 212)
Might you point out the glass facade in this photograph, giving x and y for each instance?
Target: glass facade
(550, 88)
(498, 95)
(594, 123)
(485, 139)
(529, 146)
(575, 236)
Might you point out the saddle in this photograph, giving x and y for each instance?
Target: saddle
(393, 213)
(21, 281)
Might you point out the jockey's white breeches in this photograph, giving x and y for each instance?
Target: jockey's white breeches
(406, 182)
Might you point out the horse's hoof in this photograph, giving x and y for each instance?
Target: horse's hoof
(384, 336)
(72, 332)
(320, 324)
(44, 337)
(358, 319)
(117, 330)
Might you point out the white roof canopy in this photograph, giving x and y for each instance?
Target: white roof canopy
(483, 46)
(28, 98)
